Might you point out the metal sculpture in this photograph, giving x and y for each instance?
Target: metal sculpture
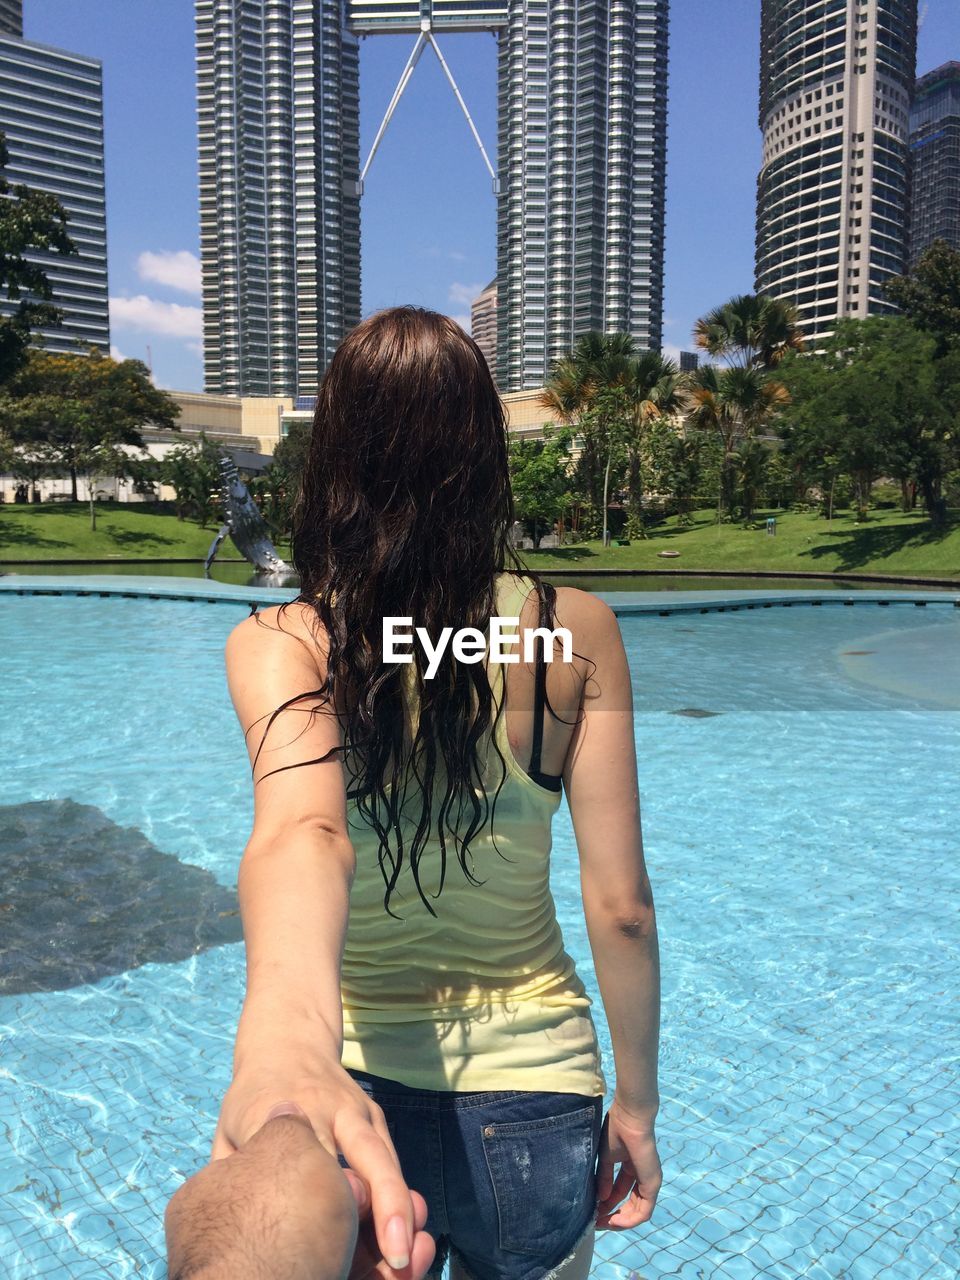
(244, 524)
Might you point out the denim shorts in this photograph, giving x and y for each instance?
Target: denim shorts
(509, 1177)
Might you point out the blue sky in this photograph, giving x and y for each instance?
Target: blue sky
(428, 212)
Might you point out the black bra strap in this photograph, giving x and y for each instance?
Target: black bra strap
(539, 706)
(552, 781)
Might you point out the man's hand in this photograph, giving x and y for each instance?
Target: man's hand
(344, 1120)
(282, 1208)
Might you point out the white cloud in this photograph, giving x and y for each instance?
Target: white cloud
(175, 269)
(464, 294)
(116, 353)
(435, 251)
(463, 322)
(152, 316)
(196, 348)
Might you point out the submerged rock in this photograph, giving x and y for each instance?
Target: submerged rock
(82, 898)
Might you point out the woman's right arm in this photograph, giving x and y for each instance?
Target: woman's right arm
(600, 779)
(294, 891)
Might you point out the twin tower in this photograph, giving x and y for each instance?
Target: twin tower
(581, 162)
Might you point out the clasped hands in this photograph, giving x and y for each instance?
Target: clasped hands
(281, 1206)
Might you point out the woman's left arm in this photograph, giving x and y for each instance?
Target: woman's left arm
(294, 890)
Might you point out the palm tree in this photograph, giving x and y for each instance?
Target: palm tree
(596, 360)
(734, 402)
(655, 388)
(749, 335)
(750, 331)
(588, 389)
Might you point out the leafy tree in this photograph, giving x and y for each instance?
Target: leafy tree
(875, 402)
(677, 460)
(539, 478)
(23, 464)
(28, 220)
(145, 475)
(780, 479)
(76, 412)
(290, 455)
(751, 460)
(192, 469)
(607, 424)
(929, 295)
(275, 492)
(612, 393)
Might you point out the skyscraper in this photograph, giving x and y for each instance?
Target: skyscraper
(277, 84)
(51, 113)
(11, 17)
(836, 77)
(935, 160)
(483, 323)
(582, 158)
(582, 134)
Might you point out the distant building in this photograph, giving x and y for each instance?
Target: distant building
(835, 87)
(483, 324)
(935, 160)
(582, 159)
(51, 113)
(582, 93)
(689, 361)
(11, 18)
(279, 146)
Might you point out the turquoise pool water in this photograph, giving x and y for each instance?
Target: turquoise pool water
(800, 781)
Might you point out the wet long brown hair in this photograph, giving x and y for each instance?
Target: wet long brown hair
(405, 510)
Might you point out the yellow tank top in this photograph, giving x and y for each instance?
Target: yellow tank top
(484, 996)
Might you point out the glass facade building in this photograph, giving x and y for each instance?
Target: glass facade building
(11, 17)
(582, 98)
(935, 160)
(51, 113)
(582, 164)
(836, 79)
(279, 156)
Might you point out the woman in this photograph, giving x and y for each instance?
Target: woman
(407, 984)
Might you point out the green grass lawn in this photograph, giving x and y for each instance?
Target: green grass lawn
(61, 531)
(890, 542)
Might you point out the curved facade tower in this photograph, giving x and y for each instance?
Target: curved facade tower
(836, 79)
(582, 102)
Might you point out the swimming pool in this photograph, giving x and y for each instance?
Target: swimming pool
(800, 781)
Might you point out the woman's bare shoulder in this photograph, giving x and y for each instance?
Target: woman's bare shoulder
(293, 622)
(579, 608)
